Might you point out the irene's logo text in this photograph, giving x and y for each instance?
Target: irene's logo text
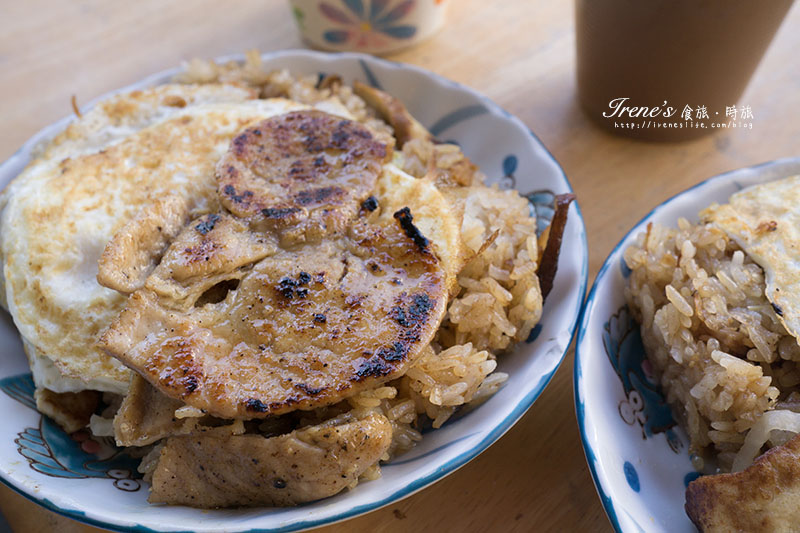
(661, 116)
(619, 109)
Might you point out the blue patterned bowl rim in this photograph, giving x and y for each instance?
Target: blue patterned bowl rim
(605, 492)
(454, 463)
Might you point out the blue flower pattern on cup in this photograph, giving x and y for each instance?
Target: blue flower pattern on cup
(381, 19)
(644, 404)
(50, 451)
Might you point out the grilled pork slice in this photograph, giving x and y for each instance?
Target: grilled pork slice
(764, 497)
(304, 328)
(242, 326)
(393, 111)
(304, 173)
(136, 249)
(211, 250)
(247, 470)
(147, 416)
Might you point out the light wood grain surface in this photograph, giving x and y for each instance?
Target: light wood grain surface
(521, 54)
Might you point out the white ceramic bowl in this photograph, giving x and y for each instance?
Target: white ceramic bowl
(39, 461)
(640, 469)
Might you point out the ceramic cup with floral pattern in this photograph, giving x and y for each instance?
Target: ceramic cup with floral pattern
(371, 26)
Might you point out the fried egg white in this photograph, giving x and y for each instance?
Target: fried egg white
(432, 212)
(765, 221)
(58, 215)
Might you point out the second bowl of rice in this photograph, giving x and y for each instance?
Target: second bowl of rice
(683, 292)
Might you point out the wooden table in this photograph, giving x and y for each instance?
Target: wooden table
(521, 54)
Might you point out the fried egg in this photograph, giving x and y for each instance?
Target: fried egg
(764, 220)
(61, 211)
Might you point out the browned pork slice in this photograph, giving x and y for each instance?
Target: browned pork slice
(135, 249)
(304, 327)
(147, 416)
(393, 111)
(239, 325)
(211, 250)
(246, 470)
(764, 497)
(304, 173)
